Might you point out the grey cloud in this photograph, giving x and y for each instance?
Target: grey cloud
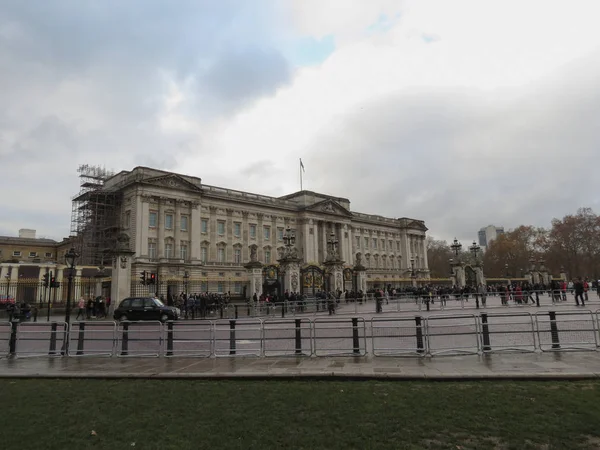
(459, 163)
(246, 73)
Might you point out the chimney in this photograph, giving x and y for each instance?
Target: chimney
(26, 233)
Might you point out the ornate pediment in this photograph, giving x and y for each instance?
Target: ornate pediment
(329, 207)
(172, 181)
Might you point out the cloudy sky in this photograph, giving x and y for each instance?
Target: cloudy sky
(461, 113)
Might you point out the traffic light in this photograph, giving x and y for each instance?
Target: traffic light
(45, 279)
(143, 278)
(54, 283)
(152, 279)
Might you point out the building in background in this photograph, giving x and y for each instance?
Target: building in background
(488, 234)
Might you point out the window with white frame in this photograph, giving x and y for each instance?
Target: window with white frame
(221, 255)
(48, 255)
(169, 250)
(184, 223)
(237, 255)
(252, 231)
(183, 251)
(169, 221)
(204, 225)
(151, 249)
(204, 254)
(366, 241)
(280, 234)
(267, 256)
(267, 232)
(221, 227)
(152, 218)
(237, 287)
(220, 287)
(33, 254)
(375, 243)
(237, 229)
(127, 221)
(398, 245)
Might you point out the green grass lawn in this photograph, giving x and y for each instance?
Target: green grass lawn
(190, 414)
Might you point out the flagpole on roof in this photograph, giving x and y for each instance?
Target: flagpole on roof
(301, 170)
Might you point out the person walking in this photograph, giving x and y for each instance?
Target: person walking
(579, 289)
(81, 309)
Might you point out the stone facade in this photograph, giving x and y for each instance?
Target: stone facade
(176, 224)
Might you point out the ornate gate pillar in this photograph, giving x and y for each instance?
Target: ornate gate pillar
(254, 268)
(120, 287)
(459, 272)
(479, 277)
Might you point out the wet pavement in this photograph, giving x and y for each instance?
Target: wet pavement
(551, 365)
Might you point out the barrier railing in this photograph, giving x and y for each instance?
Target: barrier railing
(402, 336)
(507, 332)
(237, 337)
(41, 339)
(339, 337)
(5, 332)
(447, 336)
(139, 339)
(287, 337)
(89, 338)
(191, 339)
(566, 330)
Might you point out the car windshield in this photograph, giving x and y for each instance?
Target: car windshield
(157, 302)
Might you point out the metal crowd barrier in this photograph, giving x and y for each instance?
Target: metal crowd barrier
(329, 339)
(5, 331)
(287, 337)
(139, 339)
(403, 336)
(190, 339)
(507, 332)
(566, 330)
(237, 337)
(41, 339)
(445, 337)
(90, 338)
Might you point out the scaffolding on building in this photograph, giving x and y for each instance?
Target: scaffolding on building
(95, 220)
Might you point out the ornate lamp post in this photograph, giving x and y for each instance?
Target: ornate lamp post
(474, 249)
(70, 260)
(456, 247)
(186, 278)
(506, 270)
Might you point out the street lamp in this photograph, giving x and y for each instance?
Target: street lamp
(456, 247)
(506, 269)
(70, 260)
(186, 277)
(474, 249)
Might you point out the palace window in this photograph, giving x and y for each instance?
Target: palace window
(237, 229)
(204, 226)
(252, 231)
(267, 256)
(183, 251)
(357, 241)
(151, 249)
(169, 250)
(267, 232)
(48, 255)
(237, 287)
(375, 243)
(220, 287)
(184, 223)
(221, 255)
(366, 241)
(127, 222)
(169, 221)
(280, 234)
(237, 256)
(383, 244)
(203, 254)
(33, 254)
(398, 245)
(152, 219)
(221, 227)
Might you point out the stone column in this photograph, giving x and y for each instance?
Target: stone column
(212, 233)
(479, 277)
(291, 279)
(160, 226)
(195, 236)
(14, 274)
(177, 230)
(245, 236)
(459, 272)
(120, 287)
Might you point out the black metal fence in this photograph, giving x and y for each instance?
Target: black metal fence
(33, 291)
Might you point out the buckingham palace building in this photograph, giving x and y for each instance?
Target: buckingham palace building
(185, 232)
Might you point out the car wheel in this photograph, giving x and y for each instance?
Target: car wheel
(123, 318)
(164, 318)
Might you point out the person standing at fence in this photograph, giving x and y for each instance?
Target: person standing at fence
(81, 308)
(563, 289)
(89, 308)
(578, 285)
(586, 288)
